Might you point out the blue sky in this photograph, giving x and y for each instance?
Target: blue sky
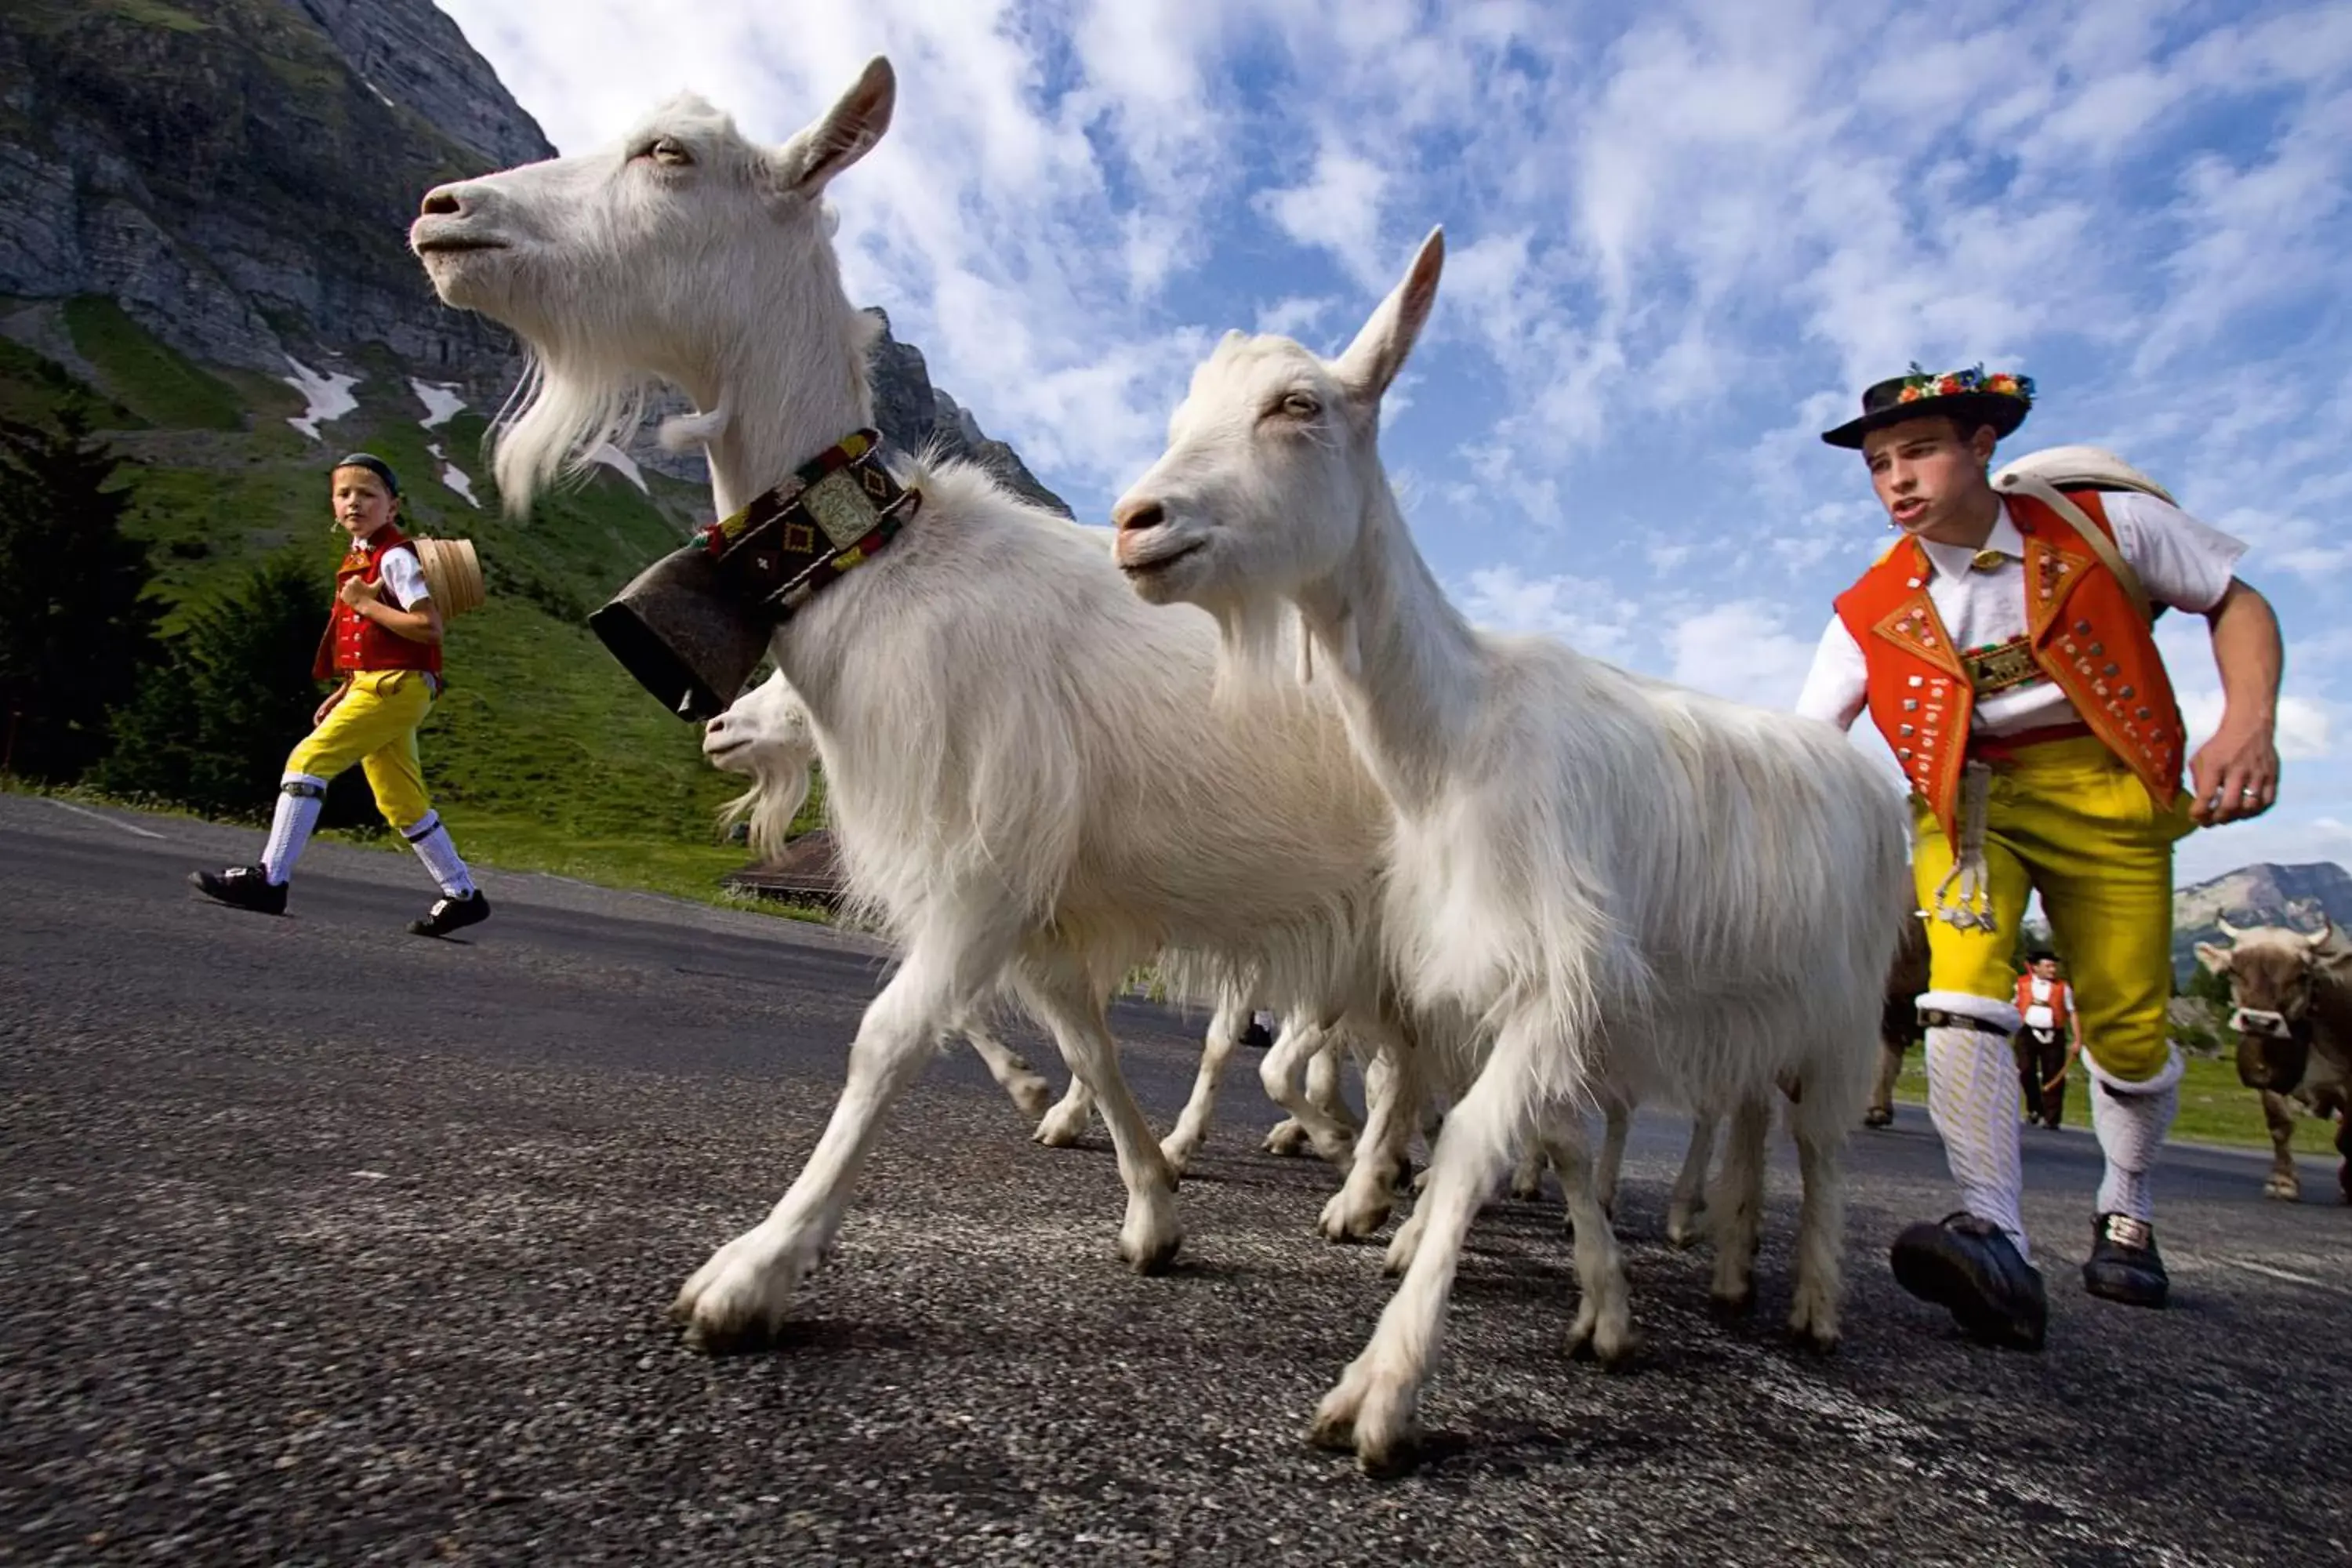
(1681, 236)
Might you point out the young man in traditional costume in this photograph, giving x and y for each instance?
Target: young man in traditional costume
(2009, 662)
(384, 645)
(2045, 1005)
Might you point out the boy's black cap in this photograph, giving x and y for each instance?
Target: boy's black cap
(373, 465)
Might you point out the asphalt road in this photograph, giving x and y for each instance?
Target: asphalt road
(320, 1242)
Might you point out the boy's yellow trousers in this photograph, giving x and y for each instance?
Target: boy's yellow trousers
(2068, 820)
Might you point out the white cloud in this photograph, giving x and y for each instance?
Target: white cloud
(1336, 208)
(1588, 615)
(1743, 650)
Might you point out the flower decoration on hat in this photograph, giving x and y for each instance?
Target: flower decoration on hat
(1922, 383)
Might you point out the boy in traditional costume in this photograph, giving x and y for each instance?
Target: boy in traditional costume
(2046, 1004)
(383, 644)
(2003, 648)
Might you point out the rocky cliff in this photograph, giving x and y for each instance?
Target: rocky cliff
(237, 176)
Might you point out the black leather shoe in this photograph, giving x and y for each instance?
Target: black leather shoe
(2124, 1265)
(452, 914)
(243, 887)
(1968, 1267)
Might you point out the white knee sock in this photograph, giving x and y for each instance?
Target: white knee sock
(299, 798)
(431, 842)
(2131, 1121)
(1975, 1100)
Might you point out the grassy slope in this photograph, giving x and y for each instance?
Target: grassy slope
(543, 755)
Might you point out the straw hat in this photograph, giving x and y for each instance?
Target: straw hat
(452, 574)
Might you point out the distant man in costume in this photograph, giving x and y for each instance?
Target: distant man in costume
(2011, 668)
(383, 645)
(2047, 1039)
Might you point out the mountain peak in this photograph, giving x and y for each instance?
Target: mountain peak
(411, 54)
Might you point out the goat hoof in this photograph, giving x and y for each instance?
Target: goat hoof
(1619, 1352)
(1814, 1341)
(2284, 1191)
(1179, 1156)
(1729, 1308)
(1032, 1097)
(1288, 1140)
(739, 1300)
(1344, 1219)
(1153, 1255)
(1060, 1129)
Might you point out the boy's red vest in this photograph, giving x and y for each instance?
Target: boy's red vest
(352, 642)
(2061, 1003)
(2080, 627)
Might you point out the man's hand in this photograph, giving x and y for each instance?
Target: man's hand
(2234, 776)
(327, 706)
(356, 591)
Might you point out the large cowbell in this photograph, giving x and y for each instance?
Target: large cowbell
(687, 636)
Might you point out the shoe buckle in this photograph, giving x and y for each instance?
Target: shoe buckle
(2125, 1231)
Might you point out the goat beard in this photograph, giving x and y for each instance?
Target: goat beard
(564, 407)
(769, 808)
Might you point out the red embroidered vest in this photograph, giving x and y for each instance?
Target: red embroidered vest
(2080, 627)
(2061, 1003)
(352, 642)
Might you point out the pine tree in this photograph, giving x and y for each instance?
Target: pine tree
(75, 625)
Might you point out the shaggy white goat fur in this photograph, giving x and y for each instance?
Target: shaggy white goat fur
(1028, 770)
(1644, 893)
(766, 734)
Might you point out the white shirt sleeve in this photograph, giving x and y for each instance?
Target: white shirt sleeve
(1837, 688)
(2180, 561)
(403, 579)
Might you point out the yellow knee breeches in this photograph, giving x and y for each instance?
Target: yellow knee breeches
(375, 726)
(2068, 820)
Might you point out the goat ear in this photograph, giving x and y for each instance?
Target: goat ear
(2214, 957)
(1372, 361)
(846, 133)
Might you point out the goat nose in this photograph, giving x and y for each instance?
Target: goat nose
(1133, 515)
(442, 200)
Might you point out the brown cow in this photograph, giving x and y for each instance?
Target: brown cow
(2292, 994)
(1898, 1024)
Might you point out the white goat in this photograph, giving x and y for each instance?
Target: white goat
(1644, 893)
(1029, 771)
(765, 734)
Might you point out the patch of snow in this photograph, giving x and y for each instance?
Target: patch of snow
(440, 399)
(379, 94)
(330, 396)
(456, 480)
(454, 477)
(620, 462)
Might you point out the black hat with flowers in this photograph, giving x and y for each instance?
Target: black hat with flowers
(1970, 397)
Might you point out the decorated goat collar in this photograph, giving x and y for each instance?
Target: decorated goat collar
(836, 511)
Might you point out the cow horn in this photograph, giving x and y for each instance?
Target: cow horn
(2324, 935)
(2227, 930)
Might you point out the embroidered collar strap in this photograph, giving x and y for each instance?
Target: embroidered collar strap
(838, 510)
